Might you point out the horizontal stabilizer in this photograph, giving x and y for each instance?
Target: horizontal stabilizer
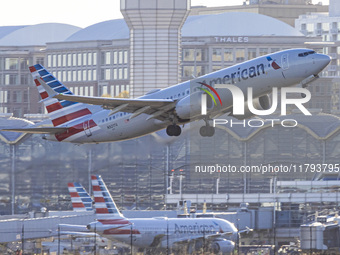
(37, 130)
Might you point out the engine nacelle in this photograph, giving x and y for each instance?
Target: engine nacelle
(223, 246)
(190, 106)
(260, 103)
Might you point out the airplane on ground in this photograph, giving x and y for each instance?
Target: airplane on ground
(160, 232)
(83, 119)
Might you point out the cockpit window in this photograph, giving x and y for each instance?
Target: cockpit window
(306, 53)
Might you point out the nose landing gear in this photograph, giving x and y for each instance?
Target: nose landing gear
(207, 130)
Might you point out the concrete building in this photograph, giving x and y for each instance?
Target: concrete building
(284, 10)
(327, 27)
(155, 42)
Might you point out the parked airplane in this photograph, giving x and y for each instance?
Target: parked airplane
(83, 119)
(160, 232)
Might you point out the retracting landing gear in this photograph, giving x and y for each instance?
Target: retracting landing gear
(207, 130)
(173, 130)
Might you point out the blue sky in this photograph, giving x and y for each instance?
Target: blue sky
(80, 13)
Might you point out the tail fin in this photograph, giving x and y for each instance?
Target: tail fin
(104, 204)
(81, 200)
(61, 111)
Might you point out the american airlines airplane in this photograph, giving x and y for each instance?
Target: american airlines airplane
(83, 119)
(161, 232)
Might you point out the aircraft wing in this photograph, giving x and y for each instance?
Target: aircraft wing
(37, 130)
(156, 108)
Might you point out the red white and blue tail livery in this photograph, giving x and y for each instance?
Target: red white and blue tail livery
(81, 200)
(104, 204)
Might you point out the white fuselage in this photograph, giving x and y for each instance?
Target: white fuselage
(164, 232)
(258, 73)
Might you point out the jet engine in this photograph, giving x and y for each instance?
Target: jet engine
(190, 106)
(259, 103)
(223, 246)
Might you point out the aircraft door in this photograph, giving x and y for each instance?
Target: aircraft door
(284, 62)
(87, 128)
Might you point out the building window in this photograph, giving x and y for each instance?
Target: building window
(89, 58)
(89, 75)
(126, 60)
(310, 28)
(54, 60)
(228, 55)
(106, 74)
(59, 60)
(79, 75)
(11, 63)
(107, 58)
(64, 76)
(49, 60)
(325, 27)
(84, 75)
(94, 58)
(3, 96)
(216, 68)
(189, 71)
(125, 73)
(217, 54)
(94, 77)
(40, 61)
(24, 79)
(79, 59)
(115, 74)
(64, 60)
(240, 55)
(115, 58)
(24, 64)
(188, 55)
(251, 53)
(11, 79)
(69, 59)
(263, 51)
(120, 58)
(84, 59)
(69, 76)
(74, 76)
(74, 59)
(120, 73)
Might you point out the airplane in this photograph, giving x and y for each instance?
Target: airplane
(160, 232)
(84, 119)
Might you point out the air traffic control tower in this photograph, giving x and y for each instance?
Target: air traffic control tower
(155, 41)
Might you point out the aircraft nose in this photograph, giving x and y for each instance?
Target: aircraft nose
(323, 60)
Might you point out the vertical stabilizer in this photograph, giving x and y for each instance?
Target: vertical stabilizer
(60, 111)
(81, 200)
(104, 204)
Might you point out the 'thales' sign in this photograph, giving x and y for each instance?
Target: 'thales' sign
(231, 39)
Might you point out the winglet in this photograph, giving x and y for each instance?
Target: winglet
(51, 93)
